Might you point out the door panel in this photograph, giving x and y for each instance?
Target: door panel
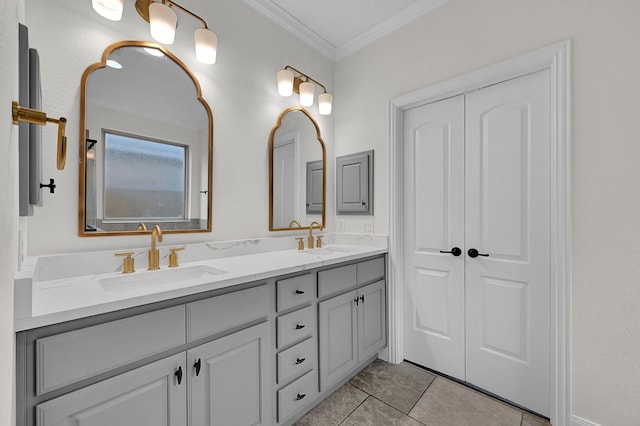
(507, 216)
(146, 396)
(434, 221)
(231, 386)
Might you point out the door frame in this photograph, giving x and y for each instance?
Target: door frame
(556, 58)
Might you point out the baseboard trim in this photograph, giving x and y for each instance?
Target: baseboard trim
(579, 421)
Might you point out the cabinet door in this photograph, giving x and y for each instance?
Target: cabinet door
(354, 183)
(315, 186)
(371, 320)
(146, 396)
(338, 340)
(230, 380)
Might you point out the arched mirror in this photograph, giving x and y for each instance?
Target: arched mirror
(146, 144)
(297, 172)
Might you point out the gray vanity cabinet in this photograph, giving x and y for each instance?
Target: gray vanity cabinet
(147, 396)
(228, 380)
(352, 325)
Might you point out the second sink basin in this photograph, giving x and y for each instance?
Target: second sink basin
(159, 278)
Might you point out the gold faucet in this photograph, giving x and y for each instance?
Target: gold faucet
(154, 253)
(310, 239)
(294, 222)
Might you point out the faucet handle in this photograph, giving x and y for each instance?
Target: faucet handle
(127, 262)
(173, 256)
(300, 243)
(319, 241)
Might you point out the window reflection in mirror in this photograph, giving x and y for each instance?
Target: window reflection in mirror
(298, 158)
(148, 137)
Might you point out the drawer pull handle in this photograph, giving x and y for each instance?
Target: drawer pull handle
(299, 292)
(178, 374)
(197, 365)
(300, 396)
(299, 360)
(362, 298)
(299, 326)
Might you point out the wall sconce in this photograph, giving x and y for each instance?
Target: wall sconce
(302, 84)
(163, 22)
(28, 115)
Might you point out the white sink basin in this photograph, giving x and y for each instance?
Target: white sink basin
(155, 279)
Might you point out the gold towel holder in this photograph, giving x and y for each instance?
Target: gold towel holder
(34, 116)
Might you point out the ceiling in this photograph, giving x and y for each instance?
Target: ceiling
(338, 28)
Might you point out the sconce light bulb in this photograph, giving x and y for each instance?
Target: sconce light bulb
(324, 103)
(306, 93)
(162, 23)
(206, 45)
(110, 9)
(285, 82)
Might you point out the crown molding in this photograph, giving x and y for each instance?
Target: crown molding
(278, 15)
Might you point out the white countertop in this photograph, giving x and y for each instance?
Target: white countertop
(49, 292)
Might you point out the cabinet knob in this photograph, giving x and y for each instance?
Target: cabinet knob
(197, 365)
(300, 396)
(299, 360)
(299, 326)
(178, 374)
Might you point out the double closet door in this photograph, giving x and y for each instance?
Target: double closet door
(477, 238)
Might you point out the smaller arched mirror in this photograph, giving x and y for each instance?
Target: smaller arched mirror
(146, 144)
(297, 195)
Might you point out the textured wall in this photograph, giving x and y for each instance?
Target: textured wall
(464, 35)
(240, 88)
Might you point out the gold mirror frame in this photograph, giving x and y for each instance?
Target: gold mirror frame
(324, 167)
(82, 163)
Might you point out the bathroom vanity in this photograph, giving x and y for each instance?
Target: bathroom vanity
(261, 341)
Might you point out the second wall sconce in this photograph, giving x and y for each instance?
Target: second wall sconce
(163, 22)
(302, 84)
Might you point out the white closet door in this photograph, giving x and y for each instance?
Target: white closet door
(507, 211)
(434, 222)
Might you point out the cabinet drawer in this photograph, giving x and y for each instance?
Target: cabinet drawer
(217, 314)
(336, 280)
(296, 360)
(294, 292)
(69, 357)
(371, 270)
(295, 326)
(296, 395)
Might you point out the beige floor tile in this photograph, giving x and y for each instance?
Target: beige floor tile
(400, 385)
(446, 403)
(531, 420)
(373, 412)
(335, 408)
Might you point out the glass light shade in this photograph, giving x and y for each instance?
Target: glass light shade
(285, 82)
(306, 93)
(162, 22)
(110, 9)
(324, 103)
(206, 45)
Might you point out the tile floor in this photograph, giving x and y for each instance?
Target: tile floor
(405, 395)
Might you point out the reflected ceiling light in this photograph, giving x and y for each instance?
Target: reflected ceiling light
(114, 64)
(110, 9)
(163, 22)
(153, 51)
(291, 80)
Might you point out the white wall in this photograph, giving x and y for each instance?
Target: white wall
(8, 203)
(240, 88)
(464, 35)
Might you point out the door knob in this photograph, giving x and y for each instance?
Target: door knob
(473, 253)
(456, 251)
